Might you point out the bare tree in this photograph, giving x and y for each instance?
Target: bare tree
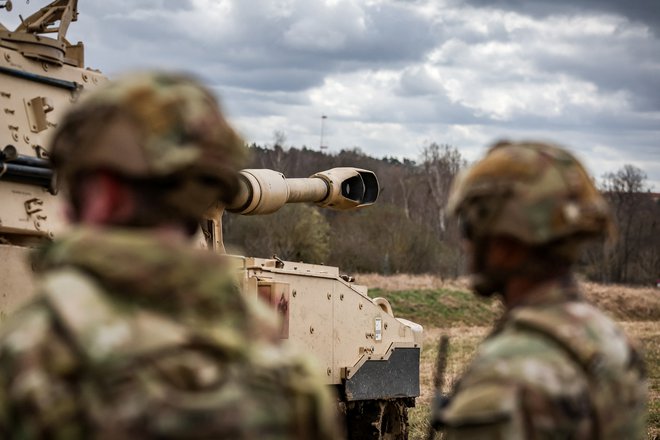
(440, 165)
(636, 216)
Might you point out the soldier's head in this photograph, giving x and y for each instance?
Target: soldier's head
(145, 150)
(525, 209)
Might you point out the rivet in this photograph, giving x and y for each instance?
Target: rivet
(360, 306)
(385, 326)
(294, 293)
(329, 295)
(44, 66)
(311, 330)
(7, 57)
(329, 371)
(26, 138)
(341, 297)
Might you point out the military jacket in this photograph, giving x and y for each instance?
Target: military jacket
(132, 336)
(555, 368)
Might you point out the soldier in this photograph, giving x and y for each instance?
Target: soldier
(555, 366)
(135, 334)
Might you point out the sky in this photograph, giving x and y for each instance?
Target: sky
(394, 75)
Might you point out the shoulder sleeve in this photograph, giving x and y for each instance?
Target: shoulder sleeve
(515, 411)
(520, 385)
(487, 411)
(36, 367)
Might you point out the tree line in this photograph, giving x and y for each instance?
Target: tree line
(407, 230)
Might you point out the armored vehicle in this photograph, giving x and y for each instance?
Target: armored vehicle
(364, 351)
(40, 76)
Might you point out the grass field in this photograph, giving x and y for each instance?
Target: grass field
(445, 307)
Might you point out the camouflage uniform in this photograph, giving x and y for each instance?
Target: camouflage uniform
(135, 335)
(555, 367)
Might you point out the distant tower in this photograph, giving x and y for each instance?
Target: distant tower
(321, 145)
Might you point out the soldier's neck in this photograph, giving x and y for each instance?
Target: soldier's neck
(518, 289)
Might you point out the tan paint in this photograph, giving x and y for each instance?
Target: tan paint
(16, 277)
(30, 110)
(330, 317)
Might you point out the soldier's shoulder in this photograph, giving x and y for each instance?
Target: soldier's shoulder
(554, 351)
(300, 386)
(517, 367)
(31, 342)
(31, 325)
(527, 358)
(63, 297)
(580, 329)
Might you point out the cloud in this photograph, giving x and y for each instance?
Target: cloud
(393, 75)
(643, 11)
(286, 45)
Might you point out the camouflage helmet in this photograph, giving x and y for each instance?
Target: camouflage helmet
(153, 126)
(535, 192)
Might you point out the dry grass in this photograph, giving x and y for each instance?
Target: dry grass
(636, 309)
(624, 302)
(410, 282)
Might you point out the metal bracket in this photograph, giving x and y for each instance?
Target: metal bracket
(37, 108)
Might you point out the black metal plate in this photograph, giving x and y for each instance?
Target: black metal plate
(395, 377)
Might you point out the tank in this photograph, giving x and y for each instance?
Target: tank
(367, 354)
(41, 74)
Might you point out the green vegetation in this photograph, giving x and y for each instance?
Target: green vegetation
(441, 307)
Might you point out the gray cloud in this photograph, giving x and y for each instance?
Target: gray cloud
(644, 11)
(258, 45)
(394, 75)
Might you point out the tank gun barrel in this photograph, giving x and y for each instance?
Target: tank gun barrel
(264, 191)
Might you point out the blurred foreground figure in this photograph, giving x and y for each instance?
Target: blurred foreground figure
(135, 334)
(555, 367)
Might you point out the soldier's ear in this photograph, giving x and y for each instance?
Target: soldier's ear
(105, 199)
